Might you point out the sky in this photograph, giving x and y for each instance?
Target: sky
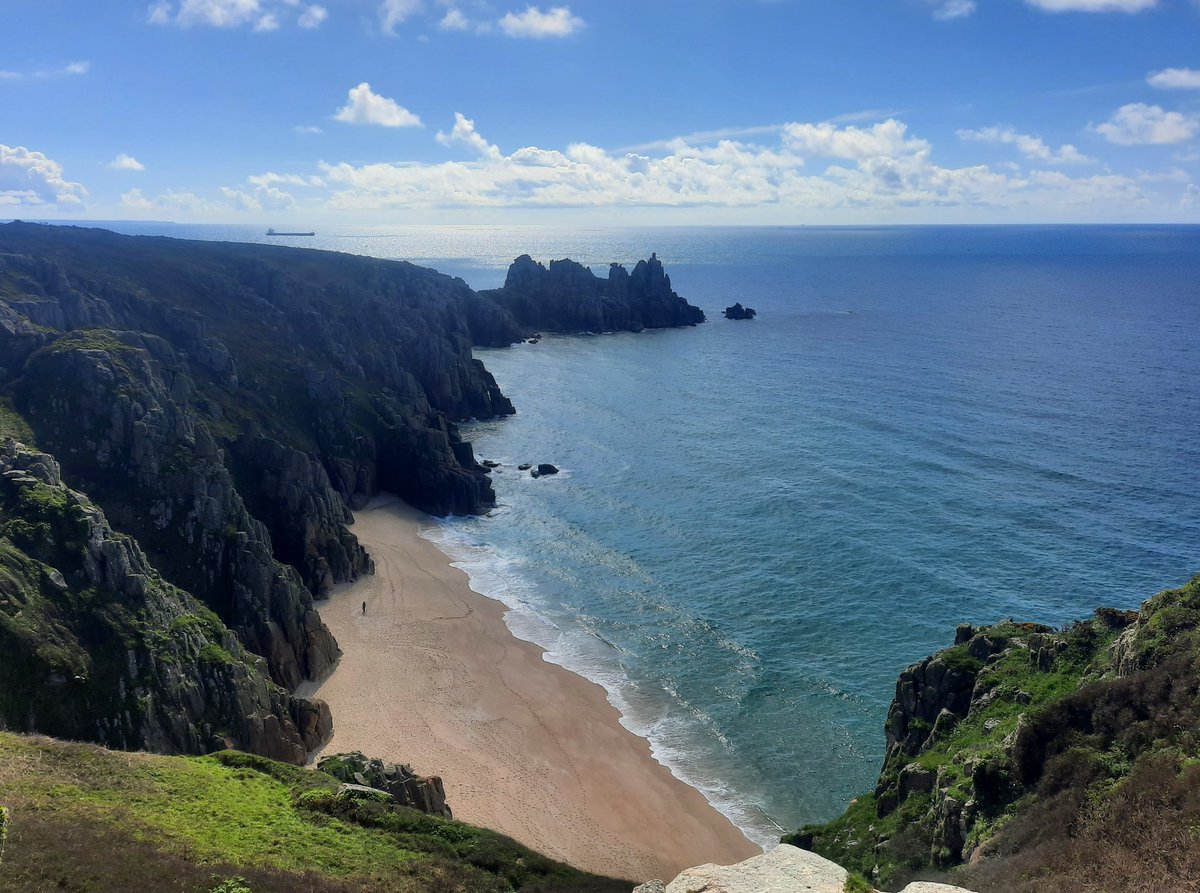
(301, 113)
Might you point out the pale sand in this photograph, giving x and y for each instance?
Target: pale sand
(432, 677)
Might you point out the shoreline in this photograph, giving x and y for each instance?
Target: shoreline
(432, 676)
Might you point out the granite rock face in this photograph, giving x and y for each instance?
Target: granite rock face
(785, 869)
(567, 297)
(226, 406)
(112, 407)
(424, 793)
(362, 364)
(98, 646)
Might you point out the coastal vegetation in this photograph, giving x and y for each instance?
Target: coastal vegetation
(1041, 760)
(233, 821)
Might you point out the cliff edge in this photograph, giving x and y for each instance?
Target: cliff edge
(1026, 758)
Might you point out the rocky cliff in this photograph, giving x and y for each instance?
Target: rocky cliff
(568, 297)
(226, 406)
(98, 646)
(1042, 759)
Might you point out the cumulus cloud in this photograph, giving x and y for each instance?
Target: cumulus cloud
(367, 107)
(125, 162)
(1138, 124)
(30, 178)
(264, 198)
(1028, 145)
(260, 15)
(173, 202)
(1175, 79)
(312, 17)
(464, 132)
(953, 9)
(554, 22)
(1093, 5)
(804, 167)
(231, 201)
(454, 20)
(394, 12)
(270, 178)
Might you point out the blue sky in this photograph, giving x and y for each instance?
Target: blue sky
(605, 111)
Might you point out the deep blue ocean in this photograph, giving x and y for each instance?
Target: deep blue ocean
(758, 524)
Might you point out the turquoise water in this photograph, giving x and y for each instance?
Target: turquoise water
(759, 524)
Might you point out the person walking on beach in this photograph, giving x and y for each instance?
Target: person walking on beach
(364, 608)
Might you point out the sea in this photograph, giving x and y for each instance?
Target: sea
(758, 524)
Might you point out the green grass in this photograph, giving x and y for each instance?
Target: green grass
(247, 814)
(13, 425)
(856, 883)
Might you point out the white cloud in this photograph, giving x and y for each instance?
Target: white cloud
(464, 132)
(270, 178)
(172, 202)
(555, 22)
(307, 129)
(263, 198)
(1138, 124)
(30, 178)
(366, 107)
(1175, 79)
(260, 15)
(393, 12)
(312, 17)
(454, 20)
(71, 68)
(827, 140)
(804, 169)
(125, 162)
(953, 9)
(232, 201)
(1093, 5)
(1028, 145)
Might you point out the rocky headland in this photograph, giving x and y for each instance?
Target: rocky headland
(218, 410)
(568, 297)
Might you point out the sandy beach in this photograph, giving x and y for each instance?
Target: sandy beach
(431, 676)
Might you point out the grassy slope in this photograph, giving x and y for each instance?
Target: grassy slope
(85, 818)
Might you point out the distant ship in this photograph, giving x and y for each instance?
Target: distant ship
(271, 232)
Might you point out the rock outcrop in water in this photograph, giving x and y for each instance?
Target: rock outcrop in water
(568, 297)
(737, 311)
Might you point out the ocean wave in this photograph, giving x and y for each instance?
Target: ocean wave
(569, 643)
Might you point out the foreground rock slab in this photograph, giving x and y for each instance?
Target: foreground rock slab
(785, 869)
